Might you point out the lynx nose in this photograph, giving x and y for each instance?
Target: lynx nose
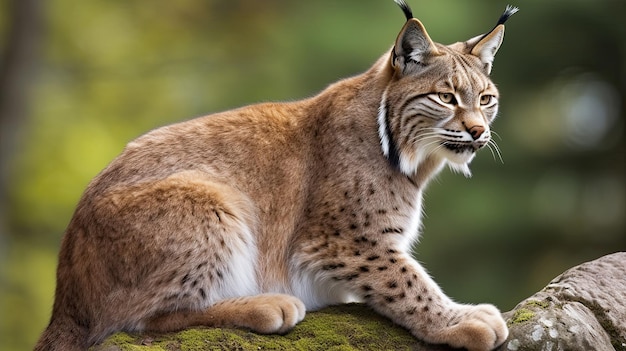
(476, 131)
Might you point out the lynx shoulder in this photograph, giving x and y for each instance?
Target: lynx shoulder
(249, 217)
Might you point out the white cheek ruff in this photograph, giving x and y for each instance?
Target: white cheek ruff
(461, 168)
(382, 125)
(388, 145)
(409, 163)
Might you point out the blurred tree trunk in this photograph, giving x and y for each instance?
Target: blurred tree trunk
(18, 67)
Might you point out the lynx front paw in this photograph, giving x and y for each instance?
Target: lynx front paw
(476, 328)
(272, 313)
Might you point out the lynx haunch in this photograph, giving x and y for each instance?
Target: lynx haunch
(249, 217)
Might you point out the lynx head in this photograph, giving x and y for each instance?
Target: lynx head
(440, 101)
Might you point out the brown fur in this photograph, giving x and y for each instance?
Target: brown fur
(247, 217)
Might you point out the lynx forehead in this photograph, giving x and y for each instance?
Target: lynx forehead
(248, 218)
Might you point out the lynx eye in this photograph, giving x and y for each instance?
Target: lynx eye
(447, 98)
(486, 99)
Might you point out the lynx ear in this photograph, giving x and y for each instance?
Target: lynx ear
(485, 46)
(413, 46)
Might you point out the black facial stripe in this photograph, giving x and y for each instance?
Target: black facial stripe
(394, 154)
(411, 100)
(429, 108)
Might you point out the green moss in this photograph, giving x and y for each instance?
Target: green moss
(536, 303)
(120, 338)
(520, 316)
(126, 342)
(352, 327)
(341, 328)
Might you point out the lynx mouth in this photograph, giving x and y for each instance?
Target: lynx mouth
(460, 148)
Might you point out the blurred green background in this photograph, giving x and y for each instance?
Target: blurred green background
(79, 79)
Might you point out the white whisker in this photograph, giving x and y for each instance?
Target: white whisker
(421, 137)
(428, 141)
(432, 152)
(493, 154)
(424, 133)
(492, 145)
(496, 134)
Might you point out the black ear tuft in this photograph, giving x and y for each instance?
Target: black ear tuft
(508, 12)
(405, 8)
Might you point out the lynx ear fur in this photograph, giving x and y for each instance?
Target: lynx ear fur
(487, 47)
(413, 46)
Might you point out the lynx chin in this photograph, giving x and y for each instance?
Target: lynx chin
(248, 218)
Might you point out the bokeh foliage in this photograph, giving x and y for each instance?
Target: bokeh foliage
(107, 71)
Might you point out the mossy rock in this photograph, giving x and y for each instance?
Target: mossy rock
(339, 328)
(582, 309)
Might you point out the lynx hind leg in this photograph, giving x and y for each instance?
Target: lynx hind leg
(266, 314)
(186, 244)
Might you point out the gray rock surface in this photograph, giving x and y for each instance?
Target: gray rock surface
(582, 309)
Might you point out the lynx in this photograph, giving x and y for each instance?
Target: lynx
(249, 217)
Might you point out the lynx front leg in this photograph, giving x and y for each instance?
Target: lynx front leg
(266, 314)
(396, 286)
(478, 327)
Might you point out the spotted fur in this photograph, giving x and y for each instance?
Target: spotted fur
(249, 217)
